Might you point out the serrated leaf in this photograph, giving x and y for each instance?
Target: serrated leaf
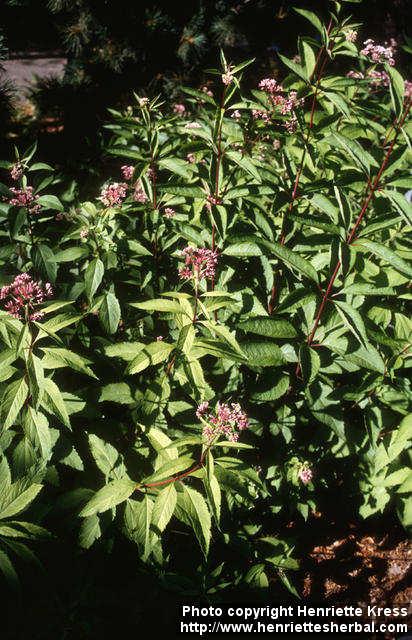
(12, 401)
(108, 497)
(93, 277)
(193, 511)
(164, 507)
(268, 327)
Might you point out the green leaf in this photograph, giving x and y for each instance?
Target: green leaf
(309, 363)
(159, 304)
(262, 354)
(361, 157)
(164, 507)
(14, 501)
(193, 511)
(312, 17)
(353, 320)
(93, 277)
(53, 401)
(397, 88)
(296, 68)
(309, 58)
(387, 255)
(36, 378)
(50, 202)
(12, 401)
(110, 313)
(152, 354)
(44, 262)
(119, 392)
(108, 497)
(90, 531)
(72, 254)
(243, 250)
(292, 259)
(137, 518)
(104, 454)
(269, 327)
(56, 357)
(8, 571)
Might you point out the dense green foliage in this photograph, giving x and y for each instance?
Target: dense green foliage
(299, 199)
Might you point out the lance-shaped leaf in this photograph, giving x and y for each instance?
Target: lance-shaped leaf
(309, 363)
(192, 510)
(109, 313)
(109, 496)
(353, 320)
(93, 277)
(53, 401)
(269, 327)
(137, 519)
(291, 259)
(12, 401)
(152, 354)
(387, 255)
(164, 507)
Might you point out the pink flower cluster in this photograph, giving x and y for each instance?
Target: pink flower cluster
(193, 125)
(179, 109)
(169, 212)
(286, 104)
(199, 263)
(305, 474)
(127, 171)
(16, 171)
(113, 194)
(356, 75)
(378, 78)
(236, 115)
(351, 35)
(379, 53)
(227, 78)
(207, 91)
(408, 89)
(139, 194)
(24, 293)
(25, 198)
(227, 421)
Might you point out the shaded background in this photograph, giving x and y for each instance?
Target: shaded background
(97, 51)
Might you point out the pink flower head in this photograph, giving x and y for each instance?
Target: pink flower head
(408, 89)
(16, 171)
(305, 474)
(193, 125)
(236, 115)
(227, 78)
(378, 78)
(191, 158)
(202, 409)
(113, 194)
(179, 109)
(169, 212)
(127, 171)
(139, 194)
(356, 75)
(258, 114)
(214, 199)
(84, 233)
(159, 338)
(199, 263)
(378, 53)
(270, 86)
(143, 102)
(351, 35)
(25, 198)
(207, 91)
(276, 144)
(227, 420)
(24, 294)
